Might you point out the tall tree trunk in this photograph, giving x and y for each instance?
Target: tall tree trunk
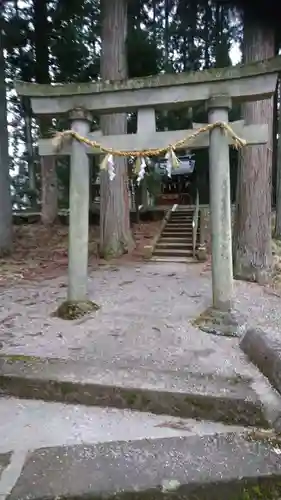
(166, 54)
(274, 144)
(277, 231)
(115, 232)
(27, 129)
(49, 210)
(5, 193)
(207, 20)
(252, 252)
(32, 194)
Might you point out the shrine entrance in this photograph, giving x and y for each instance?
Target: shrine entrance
(180, 187)
(216, 89)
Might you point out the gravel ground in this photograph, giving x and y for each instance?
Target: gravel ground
(145, 318)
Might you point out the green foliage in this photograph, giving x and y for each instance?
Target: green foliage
(174, 35)
(143, 54)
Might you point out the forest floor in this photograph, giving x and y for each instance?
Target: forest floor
(41, 253)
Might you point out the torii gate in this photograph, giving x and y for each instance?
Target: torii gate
(218, 88)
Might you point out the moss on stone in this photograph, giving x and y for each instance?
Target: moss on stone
(74, 309)
(218, 322)
(261, 492)
(163, 80)
(19, 357)
(208, 315)
(265, 436)
(131, 397)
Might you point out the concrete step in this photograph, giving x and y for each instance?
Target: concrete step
(178, 393)
(225, 465)
(178, 234)
(172, 239)
(166, 252)
(175, 236)
(186, 245)
(176, 229)
(174, 258)
(180, 227)
(179, 213)
(183, 231)
(180, 223)
(181, 216)
(128, 451)
(180, 219)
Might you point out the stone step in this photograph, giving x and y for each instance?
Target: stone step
(178, 234)
(229, 464)
(174, 232)
(173, 239)
(181, 216)
(178, 227)
(173, 245)
(180, 213)
(178, 393)
(174, 258)
(180, 223)
(166, 252)
(181, 227)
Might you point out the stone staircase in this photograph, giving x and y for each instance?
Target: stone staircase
(176, 241)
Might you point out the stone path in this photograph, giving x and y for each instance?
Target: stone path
(44, 446)
(140, 351)
(30, 425)
(145, 319)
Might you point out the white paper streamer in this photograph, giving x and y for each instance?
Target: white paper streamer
(169, 166)
(111, 168)
(142, 171)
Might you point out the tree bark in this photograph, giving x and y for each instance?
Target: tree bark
(115, 232)
(252, 252)
(49, 208)
(277, 231)
(5, 192)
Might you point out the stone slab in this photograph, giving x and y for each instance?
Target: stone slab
(213, 467)
(178, 394)
(264, 350)
(28, 425)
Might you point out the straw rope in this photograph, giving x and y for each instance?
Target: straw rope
(62, 137)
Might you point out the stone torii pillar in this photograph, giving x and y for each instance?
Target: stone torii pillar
(220, 205)
(79, 209)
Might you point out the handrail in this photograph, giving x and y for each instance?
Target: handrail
(195, 223)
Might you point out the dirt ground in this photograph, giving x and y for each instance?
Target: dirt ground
(42, 253)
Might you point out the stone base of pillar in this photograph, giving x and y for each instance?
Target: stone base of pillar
(75, 309)
(202, 254)
(222, 323)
